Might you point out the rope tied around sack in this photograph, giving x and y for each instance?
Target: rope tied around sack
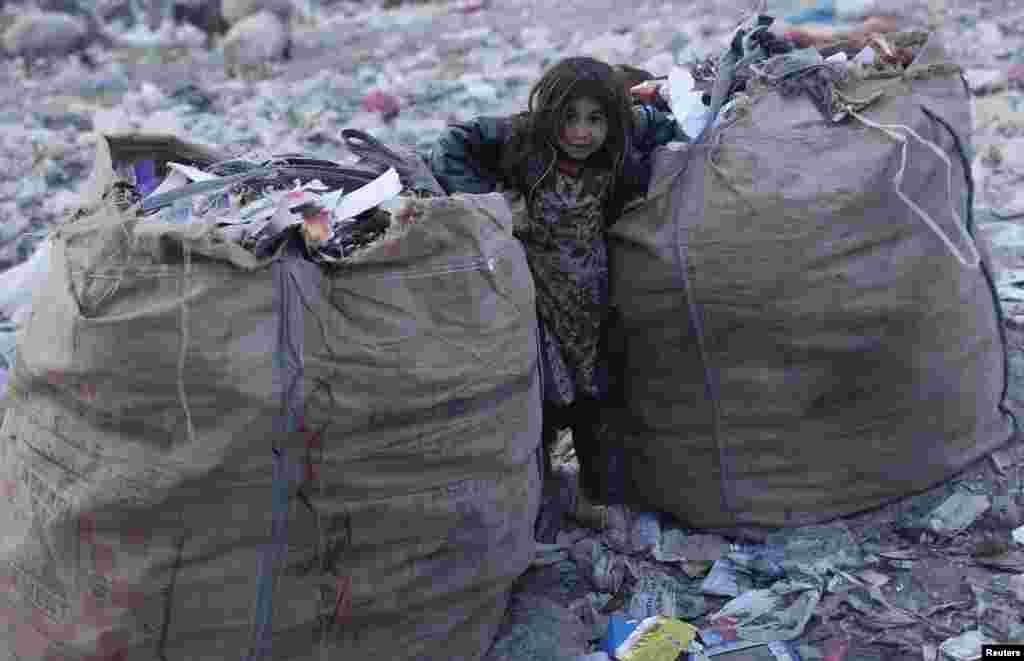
(890, 130)
(186, 275)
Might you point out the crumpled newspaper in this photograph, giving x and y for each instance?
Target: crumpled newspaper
(658, 591)
(780, 612)
(606, 570)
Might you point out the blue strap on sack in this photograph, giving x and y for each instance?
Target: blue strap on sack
(288, 365)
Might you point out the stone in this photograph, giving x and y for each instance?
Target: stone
(255, 42)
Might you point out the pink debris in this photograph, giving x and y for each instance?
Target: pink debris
(836, 649)
(382, 102)
(1015, 75)
(123, 595)
(29, 643)
(470, 6)
(103, 558)
(343, 607)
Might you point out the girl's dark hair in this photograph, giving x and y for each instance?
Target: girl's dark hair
(536, 131)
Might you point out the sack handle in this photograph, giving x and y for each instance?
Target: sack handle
(367, 147)
(414, 172)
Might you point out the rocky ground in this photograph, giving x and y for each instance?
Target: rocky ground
(904, 590)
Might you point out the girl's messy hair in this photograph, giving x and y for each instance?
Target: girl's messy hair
(567, 80)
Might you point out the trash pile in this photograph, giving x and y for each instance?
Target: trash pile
(336, 210)
(937, 576)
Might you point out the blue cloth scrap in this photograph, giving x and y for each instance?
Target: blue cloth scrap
(145, 177)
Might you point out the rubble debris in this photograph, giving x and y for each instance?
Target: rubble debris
(40, 35)
(203, 14)
(234, 11)
(254, 43)
(958, 512)
(535, 627)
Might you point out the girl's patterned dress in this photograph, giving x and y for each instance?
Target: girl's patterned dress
(564, 238)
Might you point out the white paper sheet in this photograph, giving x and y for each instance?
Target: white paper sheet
(381, 189)
(193, 174)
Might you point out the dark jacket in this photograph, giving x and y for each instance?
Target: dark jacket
(467, 157)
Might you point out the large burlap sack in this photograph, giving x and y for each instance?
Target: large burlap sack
(800, 344)
(207, 456)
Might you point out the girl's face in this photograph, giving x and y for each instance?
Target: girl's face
(585, 129)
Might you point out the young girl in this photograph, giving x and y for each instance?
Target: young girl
(577, 156)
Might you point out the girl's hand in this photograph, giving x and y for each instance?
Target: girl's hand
(651, 92)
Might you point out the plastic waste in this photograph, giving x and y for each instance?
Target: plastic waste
(686, 103)
(1016, 587)
(594, 656)
(1005, 241)
(646, 532)
(1012, 561)
(727, 579)
(958, 512)
(658, 591)
(675, 545)
(965, 647)
(18, 284)
(605, 569)
(720, 638)
(866, 56)
(618, 532)
(986, 81)
(538, 628)
(619, 629)
(810, 550)
(8, 344)
(589, 610)
(1018, 535)
(763, 616)
(378, 101)
(193, 96)
(175, 179)
(774, 651)
(657, 638)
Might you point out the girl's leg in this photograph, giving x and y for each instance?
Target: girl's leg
(555, 419)
(602, 465)
(554, 503)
